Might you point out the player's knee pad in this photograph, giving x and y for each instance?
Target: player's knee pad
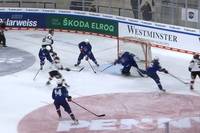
(159, 86)
(92, 58)
(42, 62)
(68, 110)
(80, 57)
(157, 81)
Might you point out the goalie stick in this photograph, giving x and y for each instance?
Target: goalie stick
(107, 67)
(101, 115)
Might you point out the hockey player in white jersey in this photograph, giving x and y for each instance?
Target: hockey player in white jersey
(194, 68)
(54, 73)
(48, 40)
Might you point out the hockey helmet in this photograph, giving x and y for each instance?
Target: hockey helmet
(87, 40)
(51, 31)
(121, 52)
(196, 56)
(48, 48)
(156, 58)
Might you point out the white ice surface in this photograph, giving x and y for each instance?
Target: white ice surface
(19, 94)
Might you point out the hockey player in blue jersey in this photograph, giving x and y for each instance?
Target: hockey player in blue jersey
(59, 95)
(85, 50)
(44, 54)
(151, 71)
(128, 60)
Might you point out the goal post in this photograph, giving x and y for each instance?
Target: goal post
(140, 47)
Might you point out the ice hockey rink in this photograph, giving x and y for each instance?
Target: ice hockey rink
(26, 104)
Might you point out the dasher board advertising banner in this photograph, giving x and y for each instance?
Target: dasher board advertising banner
(162, 36)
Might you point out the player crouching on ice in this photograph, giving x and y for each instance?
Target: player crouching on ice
(128, 60)
(54, 73)
(85, 50)
(59, 95)
(151, 72)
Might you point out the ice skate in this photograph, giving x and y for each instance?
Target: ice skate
(163, 90)
(75, 122)
(191, 87)
(77, 64)
(48, 83)
(97, 64)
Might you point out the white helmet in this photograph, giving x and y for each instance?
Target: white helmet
(87, 40)
(48, 48)
(156, 58)
(121, 52)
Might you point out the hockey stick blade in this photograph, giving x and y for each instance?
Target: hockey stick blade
(179, 79)
(101, 115)
(81, 69)
(77, 70)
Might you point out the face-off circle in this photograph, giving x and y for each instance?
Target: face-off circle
(125, 113)
(14, 60)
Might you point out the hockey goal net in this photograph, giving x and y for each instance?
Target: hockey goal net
(140, 47)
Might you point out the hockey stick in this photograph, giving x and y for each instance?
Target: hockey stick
(107, 67)
(140, 73)
(178, 79)
(102, 115)
(36, 74)
(76, 70)
(91, 67)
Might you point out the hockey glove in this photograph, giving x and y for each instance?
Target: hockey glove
(115, 62)
(189, 69)
(166, 72)
(69, 98)
(67, 69)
